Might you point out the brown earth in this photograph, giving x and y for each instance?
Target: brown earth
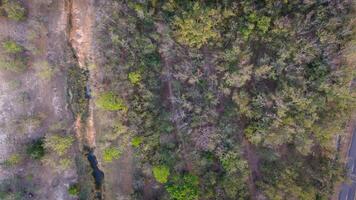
(42, 35)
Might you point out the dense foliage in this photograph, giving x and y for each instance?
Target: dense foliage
(36, 149)
(229, 99)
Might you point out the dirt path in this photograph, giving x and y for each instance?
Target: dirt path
(81, 18)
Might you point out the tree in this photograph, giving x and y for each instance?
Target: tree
(183, 187)
(110, 101)
(36, 149)
(111, 153)
(199, 26)
(73, 190)
(161, 173)
(136, 141)
(135, 77)
(12, 47)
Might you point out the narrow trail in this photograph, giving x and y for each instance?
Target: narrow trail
(81, 20)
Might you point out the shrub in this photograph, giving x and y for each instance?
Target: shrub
(12, 58)
(111, 102)
(14, 10)
(135, 77)
(161, 173)
(73, 190)
(111, 154)
(136, 141)
(11, 47)
(58, 144)
(14, 159)
(184, 187)
(36, 149)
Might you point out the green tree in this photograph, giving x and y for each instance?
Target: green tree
(136, 141)
(110, 101)
(161, 173)
(199, 26)
(111, 153)
(135, 77)
(184, 187)
(36, 149)
(12, 47)
(73, 190)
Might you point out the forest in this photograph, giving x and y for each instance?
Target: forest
(192, 100)
(230, 99)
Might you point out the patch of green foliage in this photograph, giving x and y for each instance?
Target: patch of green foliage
(58, 144)
(136, 142)
(161, 173)
(36, 149)
(247, 70)
(73, 190)
(13, 160)
(12, 47)
(110, 102)
(14, 9)
(199, 26)
(183, 187)
(12, 56)
(111, 153)
(135, 78)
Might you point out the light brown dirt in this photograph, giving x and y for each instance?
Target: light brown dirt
(44, 42)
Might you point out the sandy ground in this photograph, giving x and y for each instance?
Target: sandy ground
(42, 34)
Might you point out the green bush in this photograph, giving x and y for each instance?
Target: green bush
(13, 160)
(11, 58)
(12, 47)
(161, 173)
(135, 78)
(36, 149)
(111, 153)
(184, 187)
(59, 144)
(136, 141)
(14, 10)
(73, 190)
(111, 102)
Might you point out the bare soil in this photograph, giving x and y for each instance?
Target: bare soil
(42, 34)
